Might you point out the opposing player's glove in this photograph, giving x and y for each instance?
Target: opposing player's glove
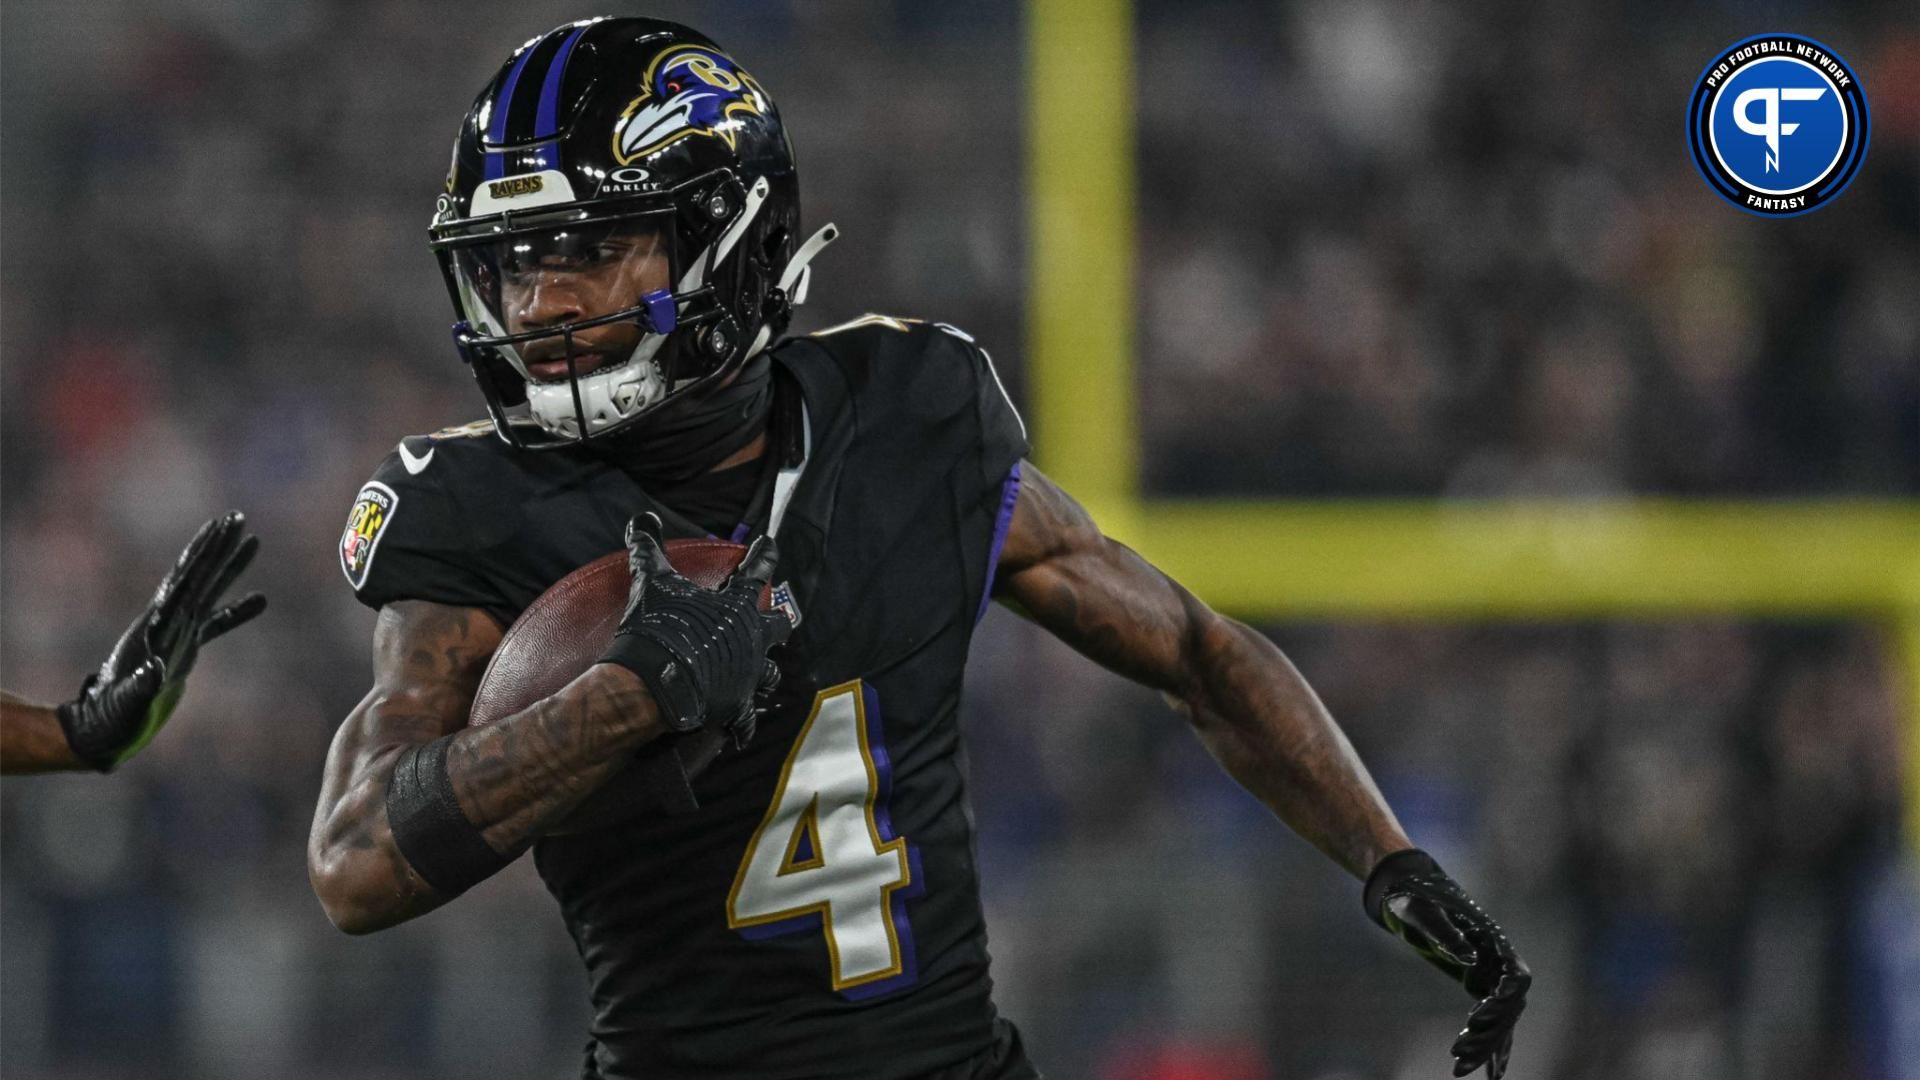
(126, 703)
(1417, 902)
(701, 652)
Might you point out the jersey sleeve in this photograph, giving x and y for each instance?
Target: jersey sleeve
(1000, 447)
(406, 539)
(1003, 434)
(955, 397)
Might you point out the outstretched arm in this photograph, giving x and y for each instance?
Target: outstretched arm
(125, 702)
(1253, 711)
(31, 740)
(1265, 725)
(511, 778)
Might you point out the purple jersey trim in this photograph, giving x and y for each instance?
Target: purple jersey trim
(917, 883)
(1009, 497)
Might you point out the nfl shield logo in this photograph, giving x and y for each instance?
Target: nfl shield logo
(784, 602)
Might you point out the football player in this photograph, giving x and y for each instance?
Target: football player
(124, 705)
(620, 236)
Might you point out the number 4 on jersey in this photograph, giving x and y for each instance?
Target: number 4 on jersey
(821, 850)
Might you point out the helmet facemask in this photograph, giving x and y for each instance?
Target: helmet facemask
(591, 135)
(594, 316)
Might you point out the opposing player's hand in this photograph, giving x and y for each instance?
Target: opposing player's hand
(123, 705)
(702, 652)
(1420, 904)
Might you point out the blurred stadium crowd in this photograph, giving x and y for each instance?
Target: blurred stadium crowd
(1383, 252)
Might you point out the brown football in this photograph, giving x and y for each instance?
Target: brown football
(569, 627)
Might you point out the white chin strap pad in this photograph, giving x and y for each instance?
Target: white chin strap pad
(607, 396)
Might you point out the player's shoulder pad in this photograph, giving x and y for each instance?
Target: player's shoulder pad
(414, 498)
(930, 370)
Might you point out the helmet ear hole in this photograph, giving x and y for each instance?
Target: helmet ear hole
(774, 247)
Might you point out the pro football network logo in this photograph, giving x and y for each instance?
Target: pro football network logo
(690, 91)
(365, 525)
(1778, 125)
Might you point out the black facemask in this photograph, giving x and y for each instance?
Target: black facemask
(682, 441)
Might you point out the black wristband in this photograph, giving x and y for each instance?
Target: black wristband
(665, 675)
(1387, 872)
(431, 831)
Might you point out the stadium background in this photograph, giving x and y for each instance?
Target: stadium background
(1408, 332)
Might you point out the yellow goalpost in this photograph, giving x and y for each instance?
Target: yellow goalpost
(1488, 559)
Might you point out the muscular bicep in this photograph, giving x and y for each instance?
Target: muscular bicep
(427, 663)
(1095, 593)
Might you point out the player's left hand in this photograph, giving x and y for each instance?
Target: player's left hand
(126, 703)
(1417, 902)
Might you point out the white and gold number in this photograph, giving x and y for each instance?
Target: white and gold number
(819, 849)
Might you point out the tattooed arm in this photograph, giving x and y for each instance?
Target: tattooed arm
(1261, 720)
(1253, 711)
(512, 778)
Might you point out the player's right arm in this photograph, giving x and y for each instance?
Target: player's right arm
(415, 806)
(510, 778)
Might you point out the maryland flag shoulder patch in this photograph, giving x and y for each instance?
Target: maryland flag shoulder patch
(372, 510)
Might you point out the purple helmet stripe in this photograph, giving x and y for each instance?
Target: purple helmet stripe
(502, 105)
(547, 121)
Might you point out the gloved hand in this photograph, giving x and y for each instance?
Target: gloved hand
(125, 704)
(1415, 900)
(701, 652)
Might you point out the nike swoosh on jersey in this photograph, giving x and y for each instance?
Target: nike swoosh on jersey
(415, 464)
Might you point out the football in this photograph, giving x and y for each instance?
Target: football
(563, 632)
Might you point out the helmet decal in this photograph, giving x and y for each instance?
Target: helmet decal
(588, 132)
(690, 90)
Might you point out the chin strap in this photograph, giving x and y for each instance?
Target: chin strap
(794, 279)
(797, 266)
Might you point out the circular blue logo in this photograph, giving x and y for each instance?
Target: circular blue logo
(1778, 125)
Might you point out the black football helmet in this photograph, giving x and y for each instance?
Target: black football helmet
(634, 150)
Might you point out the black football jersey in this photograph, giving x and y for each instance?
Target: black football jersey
(819, 914)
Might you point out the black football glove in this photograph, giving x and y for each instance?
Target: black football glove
(701, 652)
(126, 703)
(1418, 903)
